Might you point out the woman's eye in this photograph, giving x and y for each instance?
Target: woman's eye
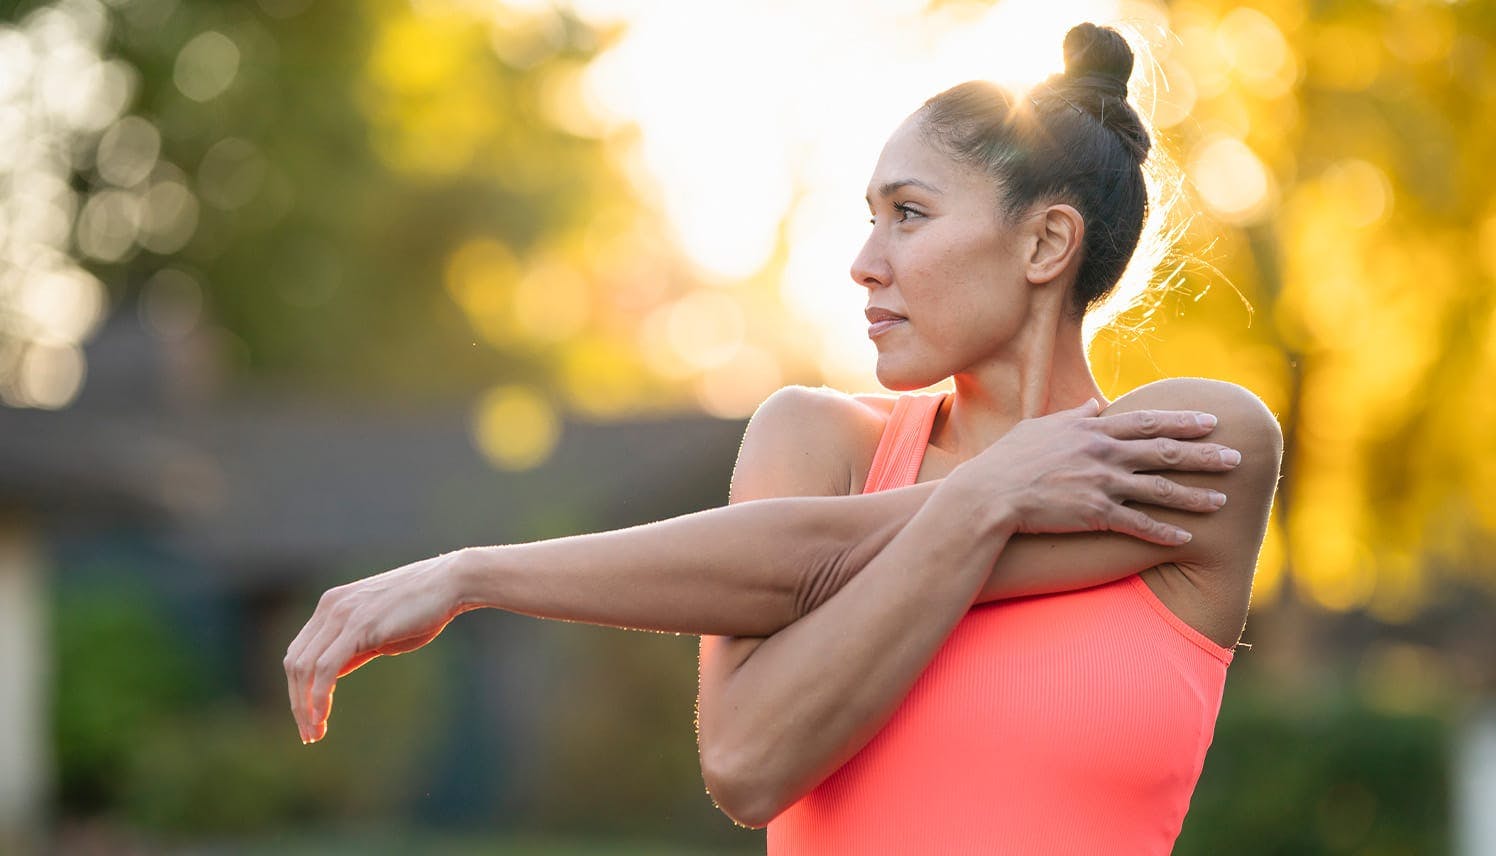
(904, 212)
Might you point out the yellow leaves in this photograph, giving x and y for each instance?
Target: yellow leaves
(1485, 246)
(1256, 49)
(1231, 179)
(1331, 562)
(1344, 56)
(1271, 565)
(433, 90)
(1419, 32)
(419, 53)
(1349, 285)
(1362, 191)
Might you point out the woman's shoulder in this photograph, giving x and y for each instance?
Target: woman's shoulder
(1211, 590)
(1223, 398)
(819, 433)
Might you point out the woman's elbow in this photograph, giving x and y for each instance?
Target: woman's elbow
(740, 787)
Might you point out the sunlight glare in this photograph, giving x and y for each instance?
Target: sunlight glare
(762, 121)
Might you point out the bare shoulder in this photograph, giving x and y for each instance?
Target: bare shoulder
(1210, 584)
(1238, 408)
(1229, 537)
(806, 441)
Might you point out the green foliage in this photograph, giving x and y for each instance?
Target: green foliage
(620, 744)
(121, 671)
(1334, 778)
(145, 731)
(328, 271)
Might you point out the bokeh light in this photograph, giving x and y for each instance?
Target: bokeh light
(515, 427)
(62, 105)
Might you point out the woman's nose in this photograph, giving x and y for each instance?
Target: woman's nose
(870, 268)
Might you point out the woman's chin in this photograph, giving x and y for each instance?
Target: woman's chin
(904, 378)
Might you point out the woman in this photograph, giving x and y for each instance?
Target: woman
(991, 647)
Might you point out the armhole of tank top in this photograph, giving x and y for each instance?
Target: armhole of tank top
(1190, 634)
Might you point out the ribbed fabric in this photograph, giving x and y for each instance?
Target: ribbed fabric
(1072, 723)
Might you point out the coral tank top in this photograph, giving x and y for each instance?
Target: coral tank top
(1070, 723)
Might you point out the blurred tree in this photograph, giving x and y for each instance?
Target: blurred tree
(1338, 151)
(353, 149)
(378, 199)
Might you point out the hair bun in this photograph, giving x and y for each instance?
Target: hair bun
(1097, 57)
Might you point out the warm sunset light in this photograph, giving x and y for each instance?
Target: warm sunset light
(773, 133)
(299, 299)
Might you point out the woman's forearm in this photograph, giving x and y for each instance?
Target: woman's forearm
(749, 569)
(786, 711)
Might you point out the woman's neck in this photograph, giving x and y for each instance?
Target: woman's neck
(1044, 370)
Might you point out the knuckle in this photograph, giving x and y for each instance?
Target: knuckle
(326, 664)
(1170, 451)
(1094, 445)
(1148, 422)
(1162, 487)
(1099, 478)
(1098, 511)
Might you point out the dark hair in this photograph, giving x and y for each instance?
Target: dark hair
(1075, 139)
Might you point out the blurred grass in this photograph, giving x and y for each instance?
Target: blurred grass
(375, 842)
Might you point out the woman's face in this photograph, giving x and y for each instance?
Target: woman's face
(942, 258)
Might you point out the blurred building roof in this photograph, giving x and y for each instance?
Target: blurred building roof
(264, 484)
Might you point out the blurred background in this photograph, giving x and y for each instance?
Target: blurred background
(292, 293)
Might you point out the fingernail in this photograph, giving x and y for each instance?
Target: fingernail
(1206, 420)
(1217, 498)
(1230, 457)
(1182, 536)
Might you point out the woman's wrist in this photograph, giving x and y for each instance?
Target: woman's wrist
(991, 509)
(477, 576)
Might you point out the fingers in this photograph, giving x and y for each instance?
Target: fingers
(301, 669)
(1130, 521)
(1164, 453)
(324, 680)
(1143, 424)
(1161, 491)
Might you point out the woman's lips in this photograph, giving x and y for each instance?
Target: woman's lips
(881, 320)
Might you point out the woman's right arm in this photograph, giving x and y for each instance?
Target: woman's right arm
(748, 571)
(778, 714)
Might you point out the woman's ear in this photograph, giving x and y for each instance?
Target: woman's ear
(1054, 242)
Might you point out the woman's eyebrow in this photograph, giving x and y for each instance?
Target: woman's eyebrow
(890, 188)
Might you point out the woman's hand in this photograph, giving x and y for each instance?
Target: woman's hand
(386, 614)
(1071, 471)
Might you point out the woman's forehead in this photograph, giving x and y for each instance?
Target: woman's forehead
(909, 157)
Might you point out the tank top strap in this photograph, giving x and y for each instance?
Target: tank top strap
(901, 449)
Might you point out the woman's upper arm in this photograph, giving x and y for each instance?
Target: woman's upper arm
(798, 443)
(1223, 551)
